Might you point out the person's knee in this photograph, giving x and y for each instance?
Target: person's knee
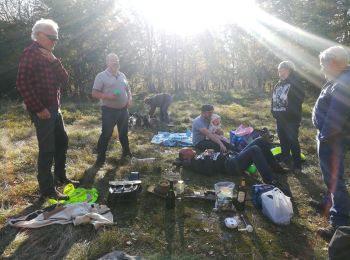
(255, 149)
(45, 159)
(106, 134)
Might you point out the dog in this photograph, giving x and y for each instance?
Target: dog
(137, 120)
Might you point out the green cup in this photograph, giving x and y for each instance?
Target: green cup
(116, 92)
(251, 169)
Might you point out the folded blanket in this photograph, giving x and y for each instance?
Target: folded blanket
(79, 213)
(173, 139)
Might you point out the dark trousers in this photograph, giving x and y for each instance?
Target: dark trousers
(331, 155)
(110, 118)
(53, 145)
(288, 132)
(163, 109)
(257, 152)
(209, 144)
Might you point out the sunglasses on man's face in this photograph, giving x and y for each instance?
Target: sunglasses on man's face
(53, 38)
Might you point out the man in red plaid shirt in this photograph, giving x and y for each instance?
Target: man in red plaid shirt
(40, 75)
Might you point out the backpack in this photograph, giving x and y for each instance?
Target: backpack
(240, 142)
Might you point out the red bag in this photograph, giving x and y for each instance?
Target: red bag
(187, 154)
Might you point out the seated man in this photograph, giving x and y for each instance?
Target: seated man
(162, 101)
(257, 152)
(202, 138)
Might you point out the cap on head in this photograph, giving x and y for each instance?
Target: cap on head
(207, 108)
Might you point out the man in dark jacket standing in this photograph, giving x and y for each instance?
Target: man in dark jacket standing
(286, 107)
(331, 117)
(162, 101)
(40, 76)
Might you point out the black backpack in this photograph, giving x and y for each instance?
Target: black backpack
(216, 162)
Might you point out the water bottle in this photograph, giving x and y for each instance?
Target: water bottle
(241, 196)
(170, 197)
(142, 162)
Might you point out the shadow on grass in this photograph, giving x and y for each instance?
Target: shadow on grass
(299, 250)
(8, 233)
(310, 186)
(172, 218)
(53, 242)
(88, 178)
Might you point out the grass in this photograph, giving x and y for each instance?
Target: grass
(143, 227)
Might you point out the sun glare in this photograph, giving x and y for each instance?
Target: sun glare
(190, 17)
(187, 17)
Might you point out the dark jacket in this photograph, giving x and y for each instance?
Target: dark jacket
(287, 98)
(331, 113)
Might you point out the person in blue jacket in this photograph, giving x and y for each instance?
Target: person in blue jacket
(286, 107)
(331, 116)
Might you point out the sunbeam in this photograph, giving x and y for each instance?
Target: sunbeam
(191, 17)
(188, 17)
(289, 42)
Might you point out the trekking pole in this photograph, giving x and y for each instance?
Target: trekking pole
(248, 227)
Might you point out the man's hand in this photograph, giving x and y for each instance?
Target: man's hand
(223, 148)
(44, 114)
(129, 103)
(111, 97)
(219, 132)
(48, 55)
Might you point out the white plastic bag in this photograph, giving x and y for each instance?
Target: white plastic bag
(277, 206)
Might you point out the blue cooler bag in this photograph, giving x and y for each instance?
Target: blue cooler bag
(257, 190)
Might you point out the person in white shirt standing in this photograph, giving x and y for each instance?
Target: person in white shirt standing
(111, 87)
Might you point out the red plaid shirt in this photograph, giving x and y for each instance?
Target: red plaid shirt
(38, 79)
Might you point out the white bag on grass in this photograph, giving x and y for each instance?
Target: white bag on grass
(277, 206)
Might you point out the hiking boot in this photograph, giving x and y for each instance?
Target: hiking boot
(327, 233)
(65, 181)
(126, 157)
(282, 187)
(279, 169)
(55, 195)
(285, 165)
